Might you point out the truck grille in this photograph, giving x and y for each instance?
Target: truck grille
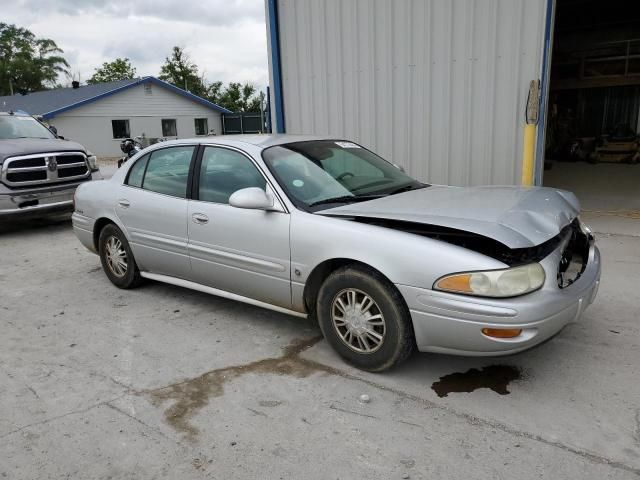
(44, 168)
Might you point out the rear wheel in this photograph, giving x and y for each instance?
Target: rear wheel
(117, 259)
(364, 318)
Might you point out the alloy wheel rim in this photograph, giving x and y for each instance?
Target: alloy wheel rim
(358, 321)
(116, 257)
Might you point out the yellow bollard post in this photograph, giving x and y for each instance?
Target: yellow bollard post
(528, 154)
(529, 141)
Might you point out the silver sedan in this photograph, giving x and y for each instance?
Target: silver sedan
(323, 227)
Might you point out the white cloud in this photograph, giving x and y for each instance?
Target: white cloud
(225, 38)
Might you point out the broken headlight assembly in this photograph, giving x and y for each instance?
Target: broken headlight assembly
(509, 282)
(575, 255)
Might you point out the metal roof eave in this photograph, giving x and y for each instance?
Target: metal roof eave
(152, 80)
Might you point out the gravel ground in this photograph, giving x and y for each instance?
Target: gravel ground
(163, 382)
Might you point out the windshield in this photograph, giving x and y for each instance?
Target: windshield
(323, 174)
(15, 126)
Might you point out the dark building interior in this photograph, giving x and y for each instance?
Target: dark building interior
(593, 118)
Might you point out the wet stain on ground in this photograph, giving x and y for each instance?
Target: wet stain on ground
(188, 397)
(494, 377)
(269, 403)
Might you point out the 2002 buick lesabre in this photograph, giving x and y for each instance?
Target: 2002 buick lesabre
(324, 227)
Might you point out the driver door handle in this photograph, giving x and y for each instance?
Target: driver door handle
(124, 203)
(200, 218)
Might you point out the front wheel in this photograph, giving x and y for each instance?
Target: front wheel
(117, 259)
(364, 318)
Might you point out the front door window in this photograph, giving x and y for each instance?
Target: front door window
(224, 172)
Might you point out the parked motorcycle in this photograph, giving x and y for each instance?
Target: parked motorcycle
(131, 146)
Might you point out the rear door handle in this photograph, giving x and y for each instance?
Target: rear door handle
(200, 218)
(124, 203)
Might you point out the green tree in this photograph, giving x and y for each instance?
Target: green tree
(239, 97)
(178, 70)
(28, 63)
(214, 92)
(119, 69)
(253, 101)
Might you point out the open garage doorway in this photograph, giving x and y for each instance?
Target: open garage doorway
(593, 122)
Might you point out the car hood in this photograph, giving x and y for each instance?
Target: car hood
(28, 146)
(518, 217)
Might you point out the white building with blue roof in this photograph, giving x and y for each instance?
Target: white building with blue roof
(99, 116)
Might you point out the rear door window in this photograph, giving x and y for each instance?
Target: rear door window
(168, 171)
(134, 178)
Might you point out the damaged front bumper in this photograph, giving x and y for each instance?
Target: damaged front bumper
(451, 323)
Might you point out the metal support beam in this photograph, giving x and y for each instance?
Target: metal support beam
(274, 44)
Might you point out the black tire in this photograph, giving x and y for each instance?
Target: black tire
(130, 278)
(398, 339)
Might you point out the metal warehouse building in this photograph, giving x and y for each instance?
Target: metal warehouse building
(441, 87)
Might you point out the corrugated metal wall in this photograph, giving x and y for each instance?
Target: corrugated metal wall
(437, 86)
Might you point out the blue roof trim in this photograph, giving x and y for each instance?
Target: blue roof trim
(151, 80)
(274, 43)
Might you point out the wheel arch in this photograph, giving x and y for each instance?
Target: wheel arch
(321, 271)
(102, 222)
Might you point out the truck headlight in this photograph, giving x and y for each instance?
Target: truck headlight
(93, 162)
(509, 282)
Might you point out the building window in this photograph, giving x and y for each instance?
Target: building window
(120, 128)
(169, 128)
(202, 126)
(147, 88)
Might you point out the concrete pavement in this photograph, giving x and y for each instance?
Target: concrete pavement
(163, 382)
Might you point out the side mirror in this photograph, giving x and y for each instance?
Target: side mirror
(253, 198)
(53, 130)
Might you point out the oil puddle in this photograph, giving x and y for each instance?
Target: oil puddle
(495, 377)
(188, 397)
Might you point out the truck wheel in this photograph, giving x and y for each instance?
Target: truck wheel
(117, 259)
(365, 319)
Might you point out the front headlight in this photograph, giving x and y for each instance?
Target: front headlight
(93, 162)
(509, 282)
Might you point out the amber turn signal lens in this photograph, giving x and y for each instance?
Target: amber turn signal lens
(456, 283)
(502, 332)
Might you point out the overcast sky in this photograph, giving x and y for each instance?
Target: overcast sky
(225, 38)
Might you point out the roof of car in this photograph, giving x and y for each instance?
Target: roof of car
(259, 140)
